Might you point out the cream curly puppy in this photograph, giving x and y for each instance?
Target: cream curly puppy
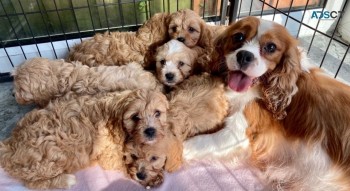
(73, 132)
(174, 62)
(40, 80)
(118, 48)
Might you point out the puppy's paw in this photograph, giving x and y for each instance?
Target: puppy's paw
(69, 179)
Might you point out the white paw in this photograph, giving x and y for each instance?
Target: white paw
(71, 180)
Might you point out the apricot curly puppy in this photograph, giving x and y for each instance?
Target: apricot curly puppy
(50, 144)
(198, 105)
(40, 80)
(118, 48)
(146, 162)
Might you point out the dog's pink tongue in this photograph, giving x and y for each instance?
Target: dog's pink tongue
(239, 82)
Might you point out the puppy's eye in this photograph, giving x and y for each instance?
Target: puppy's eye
(162, 62)
(238, 37)
(191, 29)
(136, 117)
(270, 47)
(157, 113)
(174, 29)
(181, 63)
(134, 157)
(154, 158)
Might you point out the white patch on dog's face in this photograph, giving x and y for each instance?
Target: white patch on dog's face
(256, 68)
(174, 62)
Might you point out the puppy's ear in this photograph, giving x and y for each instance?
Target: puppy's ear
(206, 37)
(200, 60)
(280, 84)
(174, 154)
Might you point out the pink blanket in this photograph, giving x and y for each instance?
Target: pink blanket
(200, 175)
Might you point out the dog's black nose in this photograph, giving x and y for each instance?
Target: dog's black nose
(169, 76)
(244, 58)
(150, 132)
(181, 39)
(141, 175)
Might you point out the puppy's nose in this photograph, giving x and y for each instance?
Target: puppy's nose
(150, 132)
(181, 39)
(141, 175)
(244, 58)
(169, 76)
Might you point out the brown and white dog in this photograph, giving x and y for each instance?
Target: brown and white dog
(297, 117)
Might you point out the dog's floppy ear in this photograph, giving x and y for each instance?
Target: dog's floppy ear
(217, 64)
(206, 37)
(200, 60)
(280, 84)
(174, 154)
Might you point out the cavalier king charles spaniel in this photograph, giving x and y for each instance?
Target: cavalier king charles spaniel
(297, 117)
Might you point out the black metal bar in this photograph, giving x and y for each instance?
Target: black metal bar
(7, 54)
(177, 5)
(240, 9)
(223, 11)
(14, 31)
(121, 13)
(104, 6)
(313, 36)
(336, 26)
(233, 10)
(59, 19)
(191, 6)
(203, 9)
(30, 28)
(262, 9)
(274, 12)
(75, 19)
(251, 5)
(92, 20)
(46, 28)
(302, 18)
(342, 61)
(164, 6)
(136, 22)
(290, 7)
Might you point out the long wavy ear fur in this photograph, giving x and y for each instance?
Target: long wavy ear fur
(280, 84)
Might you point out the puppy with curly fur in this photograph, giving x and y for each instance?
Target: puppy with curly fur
(198, 105)
(146, 163)
(69, 134)
(40, 80)
(118, 48)
(174, 62)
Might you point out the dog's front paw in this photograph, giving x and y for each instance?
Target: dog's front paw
(68, 180)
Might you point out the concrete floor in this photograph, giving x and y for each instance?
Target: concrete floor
(10, 111)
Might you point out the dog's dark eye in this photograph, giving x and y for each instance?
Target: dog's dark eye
(134, 157)
(181, 63)
(157, 113)
(174, 29)
(238, 37)
(154, 158)
(136, 117)
(191, 29)
(270, 47)
(162, 62)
